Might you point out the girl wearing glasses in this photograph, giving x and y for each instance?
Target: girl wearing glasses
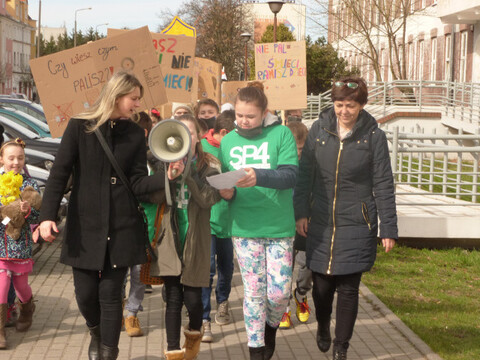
(345, 181)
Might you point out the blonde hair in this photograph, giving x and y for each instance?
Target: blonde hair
(14, 142)
(120, 84)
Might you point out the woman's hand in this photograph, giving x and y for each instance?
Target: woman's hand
(227, 194)
(249, 180)
(45, 231)
(301, 226)
(388, 244)
(25, 207)
(175, 169)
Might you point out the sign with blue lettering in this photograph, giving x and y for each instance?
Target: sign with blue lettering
(175, 54)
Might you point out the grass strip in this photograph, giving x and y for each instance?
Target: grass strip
(436, 293)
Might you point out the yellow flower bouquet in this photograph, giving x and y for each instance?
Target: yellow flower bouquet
(10, 184)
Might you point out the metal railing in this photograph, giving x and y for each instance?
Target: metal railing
(460, 101)
(444, 165)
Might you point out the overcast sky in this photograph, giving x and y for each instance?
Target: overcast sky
(117, 13)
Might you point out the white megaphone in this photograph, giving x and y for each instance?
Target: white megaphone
(169, 140)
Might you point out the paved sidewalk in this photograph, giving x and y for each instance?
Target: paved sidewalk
(59, 331)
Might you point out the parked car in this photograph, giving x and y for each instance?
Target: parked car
(28, 107)
(26, 120)
(32, 139)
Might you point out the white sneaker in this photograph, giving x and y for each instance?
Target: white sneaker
(222, 317)
(207, 332)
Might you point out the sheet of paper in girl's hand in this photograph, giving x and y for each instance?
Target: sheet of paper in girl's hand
(226, 180)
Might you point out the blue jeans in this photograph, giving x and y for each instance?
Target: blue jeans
(222, 255)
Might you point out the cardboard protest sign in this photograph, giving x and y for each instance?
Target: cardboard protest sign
(175, 54)
(230, 90)
(70, 81)
(208, 83)
(282, 68)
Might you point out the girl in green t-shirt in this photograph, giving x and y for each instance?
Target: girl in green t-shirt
(263, 224)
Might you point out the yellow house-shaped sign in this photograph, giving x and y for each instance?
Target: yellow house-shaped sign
(179, 27)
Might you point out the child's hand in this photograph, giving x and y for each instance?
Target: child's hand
(249, 180)
(227, 194)
(175, 169)
(25, 207)
(47, 230)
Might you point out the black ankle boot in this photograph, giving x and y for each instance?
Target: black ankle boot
(270, 335)
(324, 339)
(108, 353)
(94, 347)
(257, 353)
(339, 354)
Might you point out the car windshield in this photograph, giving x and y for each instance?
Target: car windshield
(21, 123)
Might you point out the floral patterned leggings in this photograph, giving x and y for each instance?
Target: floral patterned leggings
(266, 268)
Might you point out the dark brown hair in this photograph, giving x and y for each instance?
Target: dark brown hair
(226, 120)
(144, 121)
(251, 94)
(341, 93)
(202, 102)
(299, 130)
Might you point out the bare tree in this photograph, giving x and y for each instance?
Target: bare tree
(219, 24)
(365, 24)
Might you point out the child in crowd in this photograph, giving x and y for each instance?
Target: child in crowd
(179, 109)
(221, 256)
(207, 110)
(16, 255)
(155, 116)
(262, 211)
(304, 277)
(137, 287)
(184, 247)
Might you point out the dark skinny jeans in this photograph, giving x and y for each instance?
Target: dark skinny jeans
(99, 299)
(324, 287)
(177, 295)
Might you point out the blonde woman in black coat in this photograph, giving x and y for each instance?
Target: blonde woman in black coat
(103, 233)
(345, 181)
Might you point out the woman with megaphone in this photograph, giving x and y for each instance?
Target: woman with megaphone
(104, 232)
(184, 243)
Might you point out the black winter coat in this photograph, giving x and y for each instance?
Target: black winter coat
(342, 186)
(102, 220)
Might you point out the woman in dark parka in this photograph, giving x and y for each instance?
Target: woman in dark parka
(103, 233)
(345, 181)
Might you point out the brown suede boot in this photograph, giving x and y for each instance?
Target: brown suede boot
(193, 340)
(3, 321)
(174, 355)
(26, 312)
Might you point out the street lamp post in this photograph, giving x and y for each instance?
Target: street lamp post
(75, 30)
(96, 29)
(246, 37)
(275, 7)
(39, 26)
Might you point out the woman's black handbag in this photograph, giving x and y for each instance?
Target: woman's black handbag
(125, 181)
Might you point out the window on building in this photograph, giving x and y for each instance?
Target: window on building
(411, 61)
(421, 58)
(448, 55)
(463, 56)
(433, 57)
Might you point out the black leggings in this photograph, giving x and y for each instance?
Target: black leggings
(177, 295)
(99, 298)
(324, 287)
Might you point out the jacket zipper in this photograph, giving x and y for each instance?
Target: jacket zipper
(334, 205)
(365, 215)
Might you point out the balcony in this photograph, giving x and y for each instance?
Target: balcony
(459, 11)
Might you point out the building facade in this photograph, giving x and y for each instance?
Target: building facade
(17, 47)
(432, 45)
(292, 15)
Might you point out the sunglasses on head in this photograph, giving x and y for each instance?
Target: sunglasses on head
(351, 85)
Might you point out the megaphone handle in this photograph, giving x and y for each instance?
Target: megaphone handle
(168, 196)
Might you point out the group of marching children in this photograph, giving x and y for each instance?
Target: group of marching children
(195, 227)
